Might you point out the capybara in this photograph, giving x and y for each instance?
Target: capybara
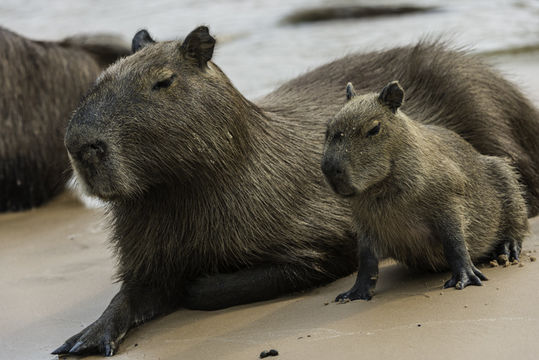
(216, 201)
(42, 83)
(419, 193)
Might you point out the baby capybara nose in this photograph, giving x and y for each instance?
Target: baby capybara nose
(331, 168)
(91, 153)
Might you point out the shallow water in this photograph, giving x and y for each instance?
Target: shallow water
(258, 52)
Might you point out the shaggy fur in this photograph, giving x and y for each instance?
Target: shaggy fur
(42, 82)
(420, 193)
(201, 181)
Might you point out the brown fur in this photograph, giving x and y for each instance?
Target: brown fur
(200, 181)
(42, 82)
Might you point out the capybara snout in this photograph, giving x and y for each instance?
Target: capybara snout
(88, 151)
(336, 174)
(84, 143)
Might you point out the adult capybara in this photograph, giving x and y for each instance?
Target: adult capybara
(42, 83)
(200, 181)
(419, 193)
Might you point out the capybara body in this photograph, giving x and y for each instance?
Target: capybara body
(42, 83)
(200, 181)
(420, 193)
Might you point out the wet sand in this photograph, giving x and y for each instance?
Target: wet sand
(57, 274)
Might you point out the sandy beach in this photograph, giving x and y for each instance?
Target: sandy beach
(57, 277)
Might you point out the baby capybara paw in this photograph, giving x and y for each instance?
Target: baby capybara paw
(355, 294)
(465, 277)
(507, 252)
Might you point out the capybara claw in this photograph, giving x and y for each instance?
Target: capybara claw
(465, 277)
(63, 349)
(508, 252)
(92, 340)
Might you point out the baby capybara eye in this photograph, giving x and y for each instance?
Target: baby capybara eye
(375, 130)
(163, 83)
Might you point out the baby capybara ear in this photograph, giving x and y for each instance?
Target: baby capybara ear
(392, 96)
(198, 46)
(350, 92)
(140, 40)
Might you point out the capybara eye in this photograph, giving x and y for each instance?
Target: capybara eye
(163, 83)
(375, 130)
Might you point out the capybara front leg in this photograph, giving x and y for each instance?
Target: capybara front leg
(366, 279)
(128, 308)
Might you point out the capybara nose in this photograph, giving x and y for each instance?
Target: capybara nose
(91, 153)
(331, 168)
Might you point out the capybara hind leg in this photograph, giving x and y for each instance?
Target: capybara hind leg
(367, 277)
(463, 271)
(507, 251)
(264, 282)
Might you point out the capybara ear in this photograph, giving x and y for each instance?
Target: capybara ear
(350, 92)
(392, 96)
(198, 46)
(140, 40)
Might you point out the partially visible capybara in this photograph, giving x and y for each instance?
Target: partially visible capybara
(42, 83)
(216, 201)
(419, 193)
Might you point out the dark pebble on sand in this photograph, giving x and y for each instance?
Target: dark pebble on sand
(271, 352)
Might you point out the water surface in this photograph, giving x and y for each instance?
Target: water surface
(258, 52)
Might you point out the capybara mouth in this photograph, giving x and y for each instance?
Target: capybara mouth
(94, 180)
(341, 186)
(345, 192)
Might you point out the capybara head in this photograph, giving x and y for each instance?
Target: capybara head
(358, 146)
(161, 115)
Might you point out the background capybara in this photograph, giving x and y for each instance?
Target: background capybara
(419, 193)
(42, 83)
(200, 181)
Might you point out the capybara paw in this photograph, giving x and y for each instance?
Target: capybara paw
(354, 294)
(95, 339)
(508, 252)
(465, 277)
